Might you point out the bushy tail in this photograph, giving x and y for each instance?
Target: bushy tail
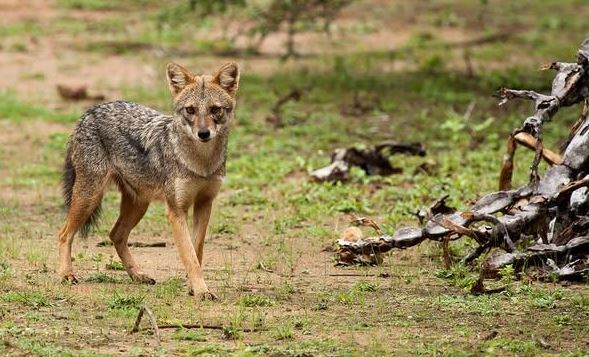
(68, 180)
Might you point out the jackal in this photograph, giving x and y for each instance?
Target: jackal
(177, 158)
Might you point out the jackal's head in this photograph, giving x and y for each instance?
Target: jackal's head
(204, 104)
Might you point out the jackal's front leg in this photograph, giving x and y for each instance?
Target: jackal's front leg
(178, 221)
(202, 214)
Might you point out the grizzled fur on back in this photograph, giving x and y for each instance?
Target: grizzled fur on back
(142, 150)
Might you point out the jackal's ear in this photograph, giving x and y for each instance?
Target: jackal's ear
(227, 77)
(178, 77)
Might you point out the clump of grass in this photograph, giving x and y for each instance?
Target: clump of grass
(188, 335)
(93, 5)
(234, 330)
(484, 305)
(169, 288)
(102, 278)
(122, 302)
(348, 298)
(365, 286)
(15, 110)
(580, 300)
(357, 293)
(114, 265)
(224, 228)
(285, 291)
(29, 298)
(562, 320)
(542, 298)
(4, 270)
(284, 331)
(517, 347)
(251, 300)
(322, 304)
(209, 349)
(507, 279)
(458, 275)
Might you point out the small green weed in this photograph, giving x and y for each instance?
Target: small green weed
(121, 302)
(102, 278)
(208, 349)
(11, 108)
(458, 275)
(169, 288)
(365, 286)
(251, 300)
(4, 270)
(562, 320)
(114, 265)
(284, 330)
(517, 347)
(33, 299)
(189, 335)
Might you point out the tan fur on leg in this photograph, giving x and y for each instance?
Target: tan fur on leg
(177, 219)
(79, 211)
(131, 212)
(202, 214)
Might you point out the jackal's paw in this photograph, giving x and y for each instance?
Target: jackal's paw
(208, 296)
(69, 279)
(143, 279)
(205, 295)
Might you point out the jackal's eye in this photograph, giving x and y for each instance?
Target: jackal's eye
(216, 110)
(189, 110)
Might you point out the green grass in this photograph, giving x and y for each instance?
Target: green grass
(124, 302)
(189, 335)
(21, 28)
(102, 5)
(100, 278)
(251, 300)
(280, 293)
(114, 265)
(15, 110)
(32, 299)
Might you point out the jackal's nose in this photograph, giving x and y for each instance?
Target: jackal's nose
(204, 133)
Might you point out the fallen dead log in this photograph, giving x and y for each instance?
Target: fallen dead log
(373, 161)
(552, 210)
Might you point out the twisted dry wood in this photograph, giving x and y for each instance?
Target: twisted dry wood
(544, 209)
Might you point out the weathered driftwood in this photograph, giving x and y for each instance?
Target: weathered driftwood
(373, 161)
(553, 209)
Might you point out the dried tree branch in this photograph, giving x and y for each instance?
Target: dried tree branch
(373, 161)
(152, 320)
(294, 95)
(551, 208)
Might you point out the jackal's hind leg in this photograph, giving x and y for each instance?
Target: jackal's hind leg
(130, 214)
(85, 199)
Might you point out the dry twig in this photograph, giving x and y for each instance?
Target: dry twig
(146, 310)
